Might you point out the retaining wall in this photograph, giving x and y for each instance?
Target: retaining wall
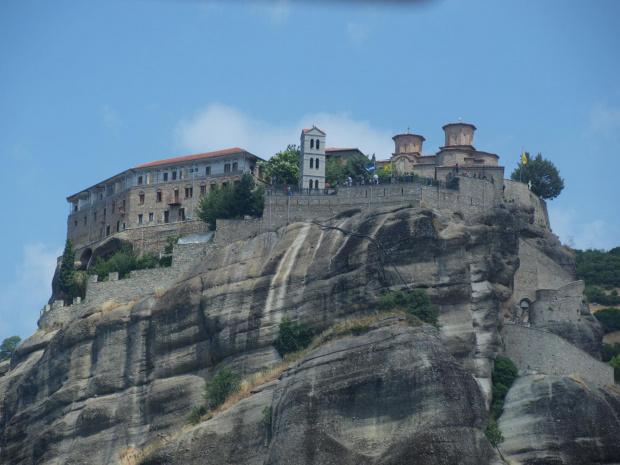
(518, 192)
(564, 304)
(537, 351)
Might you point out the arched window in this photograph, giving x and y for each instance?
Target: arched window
(316, 184)
(311, 143)
(318, 142)
(310, 184)
(312, 163)
(317, 163)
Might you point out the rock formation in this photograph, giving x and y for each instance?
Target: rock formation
(123, 376)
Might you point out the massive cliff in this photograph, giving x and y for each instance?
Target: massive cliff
(123, 376)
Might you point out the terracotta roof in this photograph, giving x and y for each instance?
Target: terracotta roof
(314, 127)
(458, 122)
(191, 157)
(409, 134)
(387, 160)
(333, 149)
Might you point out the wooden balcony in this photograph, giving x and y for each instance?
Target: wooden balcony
(172, 201)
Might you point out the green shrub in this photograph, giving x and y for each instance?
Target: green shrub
(615, 363)
(293, 336)
(225, 383)
(609, 318)
(610, 351)
(123, 262)
(504, 374)
(494, 434)
(196, 414)
(266, 421)
(416, 303)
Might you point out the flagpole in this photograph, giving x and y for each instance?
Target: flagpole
(521, 170)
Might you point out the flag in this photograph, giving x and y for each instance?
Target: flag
(370, 167)
(523, 158)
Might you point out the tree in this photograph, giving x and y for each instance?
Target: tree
(356, 166)
(66, 278)
(293, 336)
(334, 172)
(8, 346)
(283, 167)
(236, 201)
(224, 383)
(545, 177)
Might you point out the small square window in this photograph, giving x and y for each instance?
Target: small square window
(150, 217)
(158, 197)
(141, 199)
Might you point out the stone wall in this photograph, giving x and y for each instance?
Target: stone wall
(563, 304)
(139, 284)
(537, 351)
(518, 192)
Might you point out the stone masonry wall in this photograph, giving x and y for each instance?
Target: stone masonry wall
(563, 304)
(518, 192)
(537, 351)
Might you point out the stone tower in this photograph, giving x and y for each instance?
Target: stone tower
(459, 134)
(408, 143)
(312, 159)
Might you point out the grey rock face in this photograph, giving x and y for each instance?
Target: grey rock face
(557, 420)
(392, 396)
(124, 378)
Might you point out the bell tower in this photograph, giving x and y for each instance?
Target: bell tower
(312, 159)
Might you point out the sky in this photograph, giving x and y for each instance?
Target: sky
(89, 89)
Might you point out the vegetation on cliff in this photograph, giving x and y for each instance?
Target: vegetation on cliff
(8, 346)
(232, 201)
(71, 282)
(544, 176)
(124, 261)
(415, 303)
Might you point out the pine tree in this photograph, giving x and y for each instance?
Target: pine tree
(66, 275)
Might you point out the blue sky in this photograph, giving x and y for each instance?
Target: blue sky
(88, 89)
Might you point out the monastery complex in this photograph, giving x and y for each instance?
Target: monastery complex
(146, 204)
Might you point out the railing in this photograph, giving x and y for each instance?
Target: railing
(173, 200)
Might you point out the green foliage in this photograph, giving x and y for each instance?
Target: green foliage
(609, 318)
(65, 274)
(195, 416)
(610, 351)
(293, 336)
(123, 262)
(266, 421)
(71, 282)
(334, 172)
(599, 268)
(232, 201)
(356, 167)
(171, 241)
(8, 346)
(416, 303)
(596, 295)
(504, 374)
(225, 383)
(283, 166)
(545, 177)
(494, 434)
(615, 363)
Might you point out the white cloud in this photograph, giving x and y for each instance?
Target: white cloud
(110, 118)
(569, 226)
(604, 119)
(219, 127)
(357, 33)
(22, 299)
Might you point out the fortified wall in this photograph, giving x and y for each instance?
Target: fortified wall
(139, 284)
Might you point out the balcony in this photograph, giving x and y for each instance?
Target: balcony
(172, 201)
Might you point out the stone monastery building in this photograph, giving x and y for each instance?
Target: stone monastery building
(146, 204)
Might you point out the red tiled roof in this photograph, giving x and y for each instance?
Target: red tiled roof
(307, 130)
(332, 149)
(191, 157)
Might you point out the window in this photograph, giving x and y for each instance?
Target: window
(316, 184)
(208, 170)
(118, 226)
(167, 216)
(140, 219)
(174, 175)
(158, 199)
(141, 198)
(181, 214)
(85, 220)
(188, 192)
(113, 206)
(151, 217)
(311, 143)
(95, 216)
(310, 185)
(203, 189)
(75, 207)
(235, 166)
(227, 168)
(212, 187)
(107, 230)
(139, 180)
(312, 163)
(165, 177)
(317, 144)
(123, 226)
(317, 163)
(76, 222)
(105, 210)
